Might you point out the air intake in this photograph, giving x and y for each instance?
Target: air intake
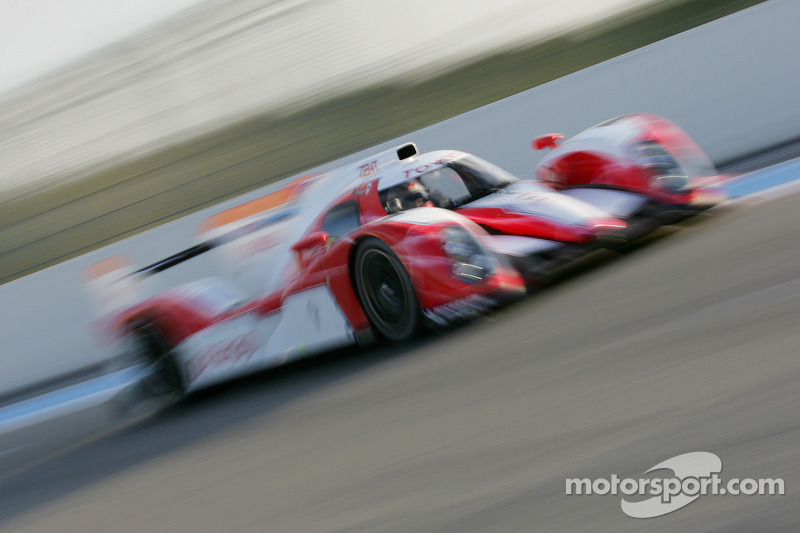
(407, 150)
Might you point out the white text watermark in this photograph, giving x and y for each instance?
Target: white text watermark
(695, 474)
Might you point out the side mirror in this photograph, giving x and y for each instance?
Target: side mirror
(310, 241)
(309, 245)
(548, 140)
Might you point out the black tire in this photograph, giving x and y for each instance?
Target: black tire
(385, 291)
(147, 347)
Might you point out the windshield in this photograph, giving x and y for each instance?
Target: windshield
(459, 182)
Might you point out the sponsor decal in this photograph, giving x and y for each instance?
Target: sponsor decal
(260, 205)
(228, 352)
(262, 223)
(461, 309)
(209, 298)
(312, 312)
(364, 188)
(425, 167)
(368, 169)
(259, 245)
(694, 474)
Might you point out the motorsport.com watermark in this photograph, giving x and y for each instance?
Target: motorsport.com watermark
(695, 474)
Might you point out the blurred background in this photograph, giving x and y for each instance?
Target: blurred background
(117, 119)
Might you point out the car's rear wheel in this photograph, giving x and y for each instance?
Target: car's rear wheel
(146, 347)
(385, 290)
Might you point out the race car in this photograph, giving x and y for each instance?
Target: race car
(538, 228)
(638, 165)
(303, 270)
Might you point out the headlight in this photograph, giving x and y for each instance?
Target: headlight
(471, 263)
(665, 171)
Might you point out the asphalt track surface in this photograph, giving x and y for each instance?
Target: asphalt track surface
(690, 344)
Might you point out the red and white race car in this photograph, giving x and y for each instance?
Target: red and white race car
(534, 225)
(637, 164)
(308, 268)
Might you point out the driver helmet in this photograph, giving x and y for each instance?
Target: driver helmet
(416, 196)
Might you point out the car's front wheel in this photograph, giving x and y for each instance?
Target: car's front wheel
(385, 290)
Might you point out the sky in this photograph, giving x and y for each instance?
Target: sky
(37, 36)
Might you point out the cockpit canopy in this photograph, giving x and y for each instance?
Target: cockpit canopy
(451, 185)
